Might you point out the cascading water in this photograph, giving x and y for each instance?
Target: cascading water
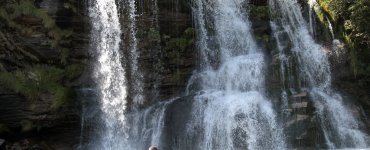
(231, 111)
(338, 49)
(109, 73)
(226, 104)
(146, 127)
(312, 21)
(136, 76)
(341, 129)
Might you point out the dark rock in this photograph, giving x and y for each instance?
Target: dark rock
(2, 144)
(24, 118)
(258, 2)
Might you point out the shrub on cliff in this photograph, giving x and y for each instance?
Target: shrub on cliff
(352, 18)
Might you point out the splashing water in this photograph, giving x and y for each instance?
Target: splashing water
(231, 111)
(340, 127)
(109, 73)
(146, 126)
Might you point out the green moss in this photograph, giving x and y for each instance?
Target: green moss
(60, 97)
(74, 71)
(351, 25)
(320, 14)
(33, 81)
(18, 82)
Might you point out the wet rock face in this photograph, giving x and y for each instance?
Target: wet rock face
(55, 40)
(166, 46)
(167, 55)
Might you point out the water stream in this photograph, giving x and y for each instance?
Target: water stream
(341, 129)
(136, 76)
(108, 70)
(227, 105)
(231, 111)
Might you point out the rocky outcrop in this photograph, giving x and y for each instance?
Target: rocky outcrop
(42, 56)
(167, 48)
(302, 125)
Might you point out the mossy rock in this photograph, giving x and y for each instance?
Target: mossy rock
(14, 14)
(33, 81)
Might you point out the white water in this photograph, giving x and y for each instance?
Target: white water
(313, 8)
(146, 127)
(137, 78)
(338, 49)
(341, 129)
(109, 73)
(231, 111)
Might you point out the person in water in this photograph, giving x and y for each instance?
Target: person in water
(153, 148)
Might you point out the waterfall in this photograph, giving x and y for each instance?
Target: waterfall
(231, 111)
(330, 28)
(337, 46)
(227, 104)
(136, 76)
(146, 126)
(341, 129)
(312, 21)
(108, 71)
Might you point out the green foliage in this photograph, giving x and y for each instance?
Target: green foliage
(360, 18)
(335, 8)
(352, 19)
(40, 79)
(18, 82)
(321, 12)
